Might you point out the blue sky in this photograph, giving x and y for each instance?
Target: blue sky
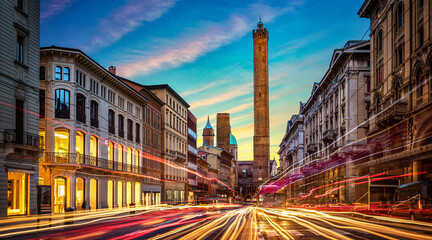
(203, 49)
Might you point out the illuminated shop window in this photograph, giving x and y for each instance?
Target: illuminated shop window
(61, 145)
(80, 143)
(120, 157)
(80, 194)
(120, 194)
(93, 194)
(137, 193)
(110, 194)
(128, 193)
(17, 193)
(93, 146)
(59, 195)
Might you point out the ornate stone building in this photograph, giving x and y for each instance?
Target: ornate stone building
(20, 144)
(399, 129)
(95, 135)
(175, 143)
(261, 104)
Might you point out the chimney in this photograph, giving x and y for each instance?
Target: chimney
(112, 69)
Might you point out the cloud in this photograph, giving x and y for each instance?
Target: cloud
(198, 42)
(51, 8)
(228, 95)
(194, 90)
(127, 19)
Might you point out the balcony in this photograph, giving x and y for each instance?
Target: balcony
(94, 123)
(25, 139)
(329, 136)
(311, 148)
(87, 160)
(392, 114)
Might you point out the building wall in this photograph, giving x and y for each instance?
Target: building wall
(192, 154)
(19, 82)
(100, 161)
(400, 98)
(174, 141)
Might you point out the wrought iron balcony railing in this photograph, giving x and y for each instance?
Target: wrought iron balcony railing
(87, 160)
(19, 137)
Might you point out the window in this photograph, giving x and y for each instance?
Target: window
(58, 73)
(20, 49)
(93, 147)
(121, 126)
(111, 123)
(111, 153)
(61, 143)
(111, 96)
(130, 107)
(41, 103)
(421, 34)
(80, 108)
(419, 83)
(380, 73)
(80, 144)
(148, 116)
(94, 116)
(42, 73)
(380, 41)
(129, 130)
(399, 16)
(121, 102)
(66, 74)
(399, 53)
(137, 133)
(62, 104)
(20, 4)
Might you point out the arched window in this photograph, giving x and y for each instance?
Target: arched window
(128, 193)
(80, 108)
(59, 194)
(129, 130)
(94, 114)
(80, 194)
(120, 157)
(121, 126)
(129, 158)
(61, 145)
(62, 106)
(93, 194)
(93, 147)
(58, 73)
(111, 121)
(379, 41)
(419, 82)
(137, 193)
(66, 74)
(111, 155)
(110, 194)
(399, 16)
(80, 146)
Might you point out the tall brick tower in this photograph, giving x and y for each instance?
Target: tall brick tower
(261, 104)
(223, 131)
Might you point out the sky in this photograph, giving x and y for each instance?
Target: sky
(204, 50)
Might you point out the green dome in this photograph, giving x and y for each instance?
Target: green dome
(260, 23)
(233, 140)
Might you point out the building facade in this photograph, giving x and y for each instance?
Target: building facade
(152, 141)
(174, 143)
(399, 129)
(261, 138)
(93, 125)
(20, 144)
(192, 157)
(333, 122)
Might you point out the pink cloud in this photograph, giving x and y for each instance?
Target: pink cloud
(127, 19)
(51, 8)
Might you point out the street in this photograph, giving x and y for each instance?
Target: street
(216, 222)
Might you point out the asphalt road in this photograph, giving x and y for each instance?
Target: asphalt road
(220, 222)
